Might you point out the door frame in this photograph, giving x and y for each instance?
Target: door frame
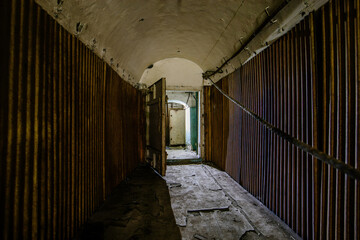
(155, 126)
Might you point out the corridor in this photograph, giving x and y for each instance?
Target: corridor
(266, 94)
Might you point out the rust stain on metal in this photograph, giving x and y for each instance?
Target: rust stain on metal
(307, 85)
(55, 122)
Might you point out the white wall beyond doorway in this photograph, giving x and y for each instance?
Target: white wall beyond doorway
(177, 127)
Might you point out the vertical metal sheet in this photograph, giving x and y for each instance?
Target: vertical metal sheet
(124, 119)
(357, 119)
(307, 84)
(52, 126)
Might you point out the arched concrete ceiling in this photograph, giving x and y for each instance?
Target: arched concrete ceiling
(180, 74)
(131, 35)
(179, 102)
(185, 97)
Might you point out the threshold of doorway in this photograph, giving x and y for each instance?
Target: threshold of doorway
(184, 161)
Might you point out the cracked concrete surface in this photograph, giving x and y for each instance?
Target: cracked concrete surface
(208, 204)
(139, 208)
(204, 203)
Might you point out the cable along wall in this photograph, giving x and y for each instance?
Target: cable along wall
(306, 84)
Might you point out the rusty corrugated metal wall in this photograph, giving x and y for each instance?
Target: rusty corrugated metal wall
(124, 127)
(307, 84)
(59, 102)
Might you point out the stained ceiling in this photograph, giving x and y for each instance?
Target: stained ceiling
(133, 35)
(180, 74)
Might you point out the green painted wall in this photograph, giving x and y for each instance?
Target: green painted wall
(194, 125)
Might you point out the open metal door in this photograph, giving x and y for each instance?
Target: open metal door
(155, 126)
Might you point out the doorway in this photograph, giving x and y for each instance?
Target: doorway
(182, 126)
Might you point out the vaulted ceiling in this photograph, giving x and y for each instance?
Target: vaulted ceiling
(134, 34)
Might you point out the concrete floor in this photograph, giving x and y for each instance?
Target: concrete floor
(139, 208)
(180, 153)
(208, 204)
(204, 203)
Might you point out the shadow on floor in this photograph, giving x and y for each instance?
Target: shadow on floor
(139, 208)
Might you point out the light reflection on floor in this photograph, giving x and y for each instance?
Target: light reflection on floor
(180, 153)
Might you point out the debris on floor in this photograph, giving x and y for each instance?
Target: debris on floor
(172, 185)
(180, 153)
(211, 205)
(251, 235)
(204, 203)
(139, 208)
(208, 209)
(198, 236)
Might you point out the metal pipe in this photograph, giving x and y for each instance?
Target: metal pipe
(349, 170)
(269, 19)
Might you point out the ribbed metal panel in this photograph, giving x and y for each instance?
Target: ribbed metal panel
(306, 84)
(53, 166)
(124, 128)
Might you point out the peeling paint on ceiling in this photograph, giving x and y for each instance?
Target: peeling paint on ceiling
(131, 35)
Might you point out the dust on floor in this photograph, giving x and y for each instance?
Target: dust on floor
(205, 204)
(139, 208)
(208, 204)
(180, 153)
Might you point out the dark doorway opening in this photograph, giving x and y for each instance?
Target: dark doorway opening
(182, 126)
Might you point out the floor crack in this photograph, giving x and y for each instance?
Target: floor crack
(234, 203)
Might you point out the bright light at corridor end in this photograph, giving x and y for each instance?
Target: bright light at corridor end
(180, 74)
